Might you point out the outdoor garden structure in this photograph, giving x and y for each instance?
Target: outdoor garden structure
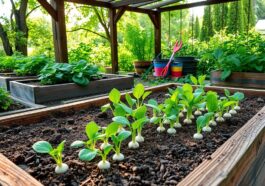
(172, 134)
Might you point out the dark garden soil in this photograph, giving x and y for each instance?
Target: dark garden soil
(161, 160)
(15, 106)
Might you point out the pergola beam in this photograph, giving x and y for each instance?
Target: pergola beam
(91, 2)
(145, 3)
(49, 9)
(192, 5)
(126, 3)
(161, 4)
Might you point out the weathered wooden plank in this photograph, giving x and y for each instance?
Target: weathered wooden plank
(12, 175)
(234, 158)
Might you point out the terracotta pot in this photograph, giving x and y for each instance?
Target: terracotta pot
(141, 66)
(239, 79)
(108, 70)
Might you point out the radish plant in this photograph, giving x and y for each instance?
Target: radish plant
(157, 114)
(191, 100)
(236, 97)
(93, 135)
(200, 82)
(212, 105)
(223, 105)
(45, 147)
(110, 130)
(140, 94)
(90, 154)
(200, 123)
(117, 140)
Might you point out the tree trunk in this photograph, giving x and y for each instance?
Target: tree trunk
(21, 40)
(5, 40)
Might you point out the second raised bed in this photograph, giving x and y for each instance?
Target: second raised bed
(32, 91)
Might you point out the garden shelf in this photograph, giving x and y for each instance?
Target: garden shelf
(32, 91)
(240, 160)
(239, 79)
(6, 78)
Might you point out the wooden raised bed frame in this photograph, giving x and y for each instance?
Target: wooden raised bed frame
(6, 78)
(26, 90)
(240, 160)
(239, 79)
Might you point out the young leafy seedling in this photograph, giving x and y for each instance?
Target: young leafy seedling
(236, 97)
(140, 94)
(212, 105)
(208, 116)
(157, 114)
(200, 123)
(110, 130)
(93, 135)
(117, 140)
(45, 147)
(90, 154)
(223, 105)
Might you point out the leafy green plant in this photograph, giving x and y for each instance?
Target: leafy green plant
(237, 97)
(90, 154)
(140, 94)
(223, 106)
(93, 135)
(5, 100)
(202, 122)
(80, 73)
(158, 114)
(31, 66)
(117, 140)
(109, 131)
(45, 147)
(212, 106)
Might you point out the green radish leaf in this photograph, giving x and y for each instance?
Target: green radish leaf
(238, 96)
(112, 129)
(138, 91)
(130, 100)
(225, 74)
(138, 123)
(140, 112)
(228, 103)
(91, 130)
(208, 117)
(87, 154)
(115, 96)
(77, 144)
(227, 93)
(201, 121)
(124, 135)
(172, 117)
(154, 119)
(194, 80)
(115, 140)
(104, 108)
(119, 111)
(212, 101)
(201, 79)
(42, 147)
(121, 120)
(187, 88)
(127, 109)
(60, 147)
(107, 149)
(147, 93)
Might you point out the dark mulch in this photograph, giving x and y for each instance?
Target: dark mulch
(161, 160)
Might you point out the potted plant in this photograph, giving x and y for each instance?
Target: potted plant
(140, 43)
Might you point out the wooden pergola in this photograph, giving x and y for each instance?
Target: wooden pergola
(153, 8)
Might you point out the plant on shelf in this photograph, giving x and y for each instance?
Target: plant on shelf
(45, 147)
(5, 100)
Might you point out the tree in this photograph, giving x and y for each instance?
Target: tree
(217, 14)
(207, 25)
(18, 25)
(248, 14)
(235, 18)
(197, 28)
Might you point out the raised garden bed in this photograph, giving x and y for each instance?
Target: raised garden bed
(239, 79)
(161, 160)
(32, 91)
(6, 78)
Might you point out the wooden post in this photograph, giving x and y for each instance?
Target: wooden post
(114, 43)
(157, 33)
(59, 32)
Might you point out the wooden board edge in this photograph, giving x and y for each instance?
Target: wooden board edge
(12, 175)
(232, 160)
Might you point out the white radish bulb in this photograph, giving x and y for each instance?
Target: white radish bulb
(103, 145)
(160, 129)
(213, 123)
(139, 138)
(197, 113)
(227, 115)
(103, 165)
(181, 115)
(133, 145)
(61, 169)
(177, 125)
(198, 136)
(237, 108)
(118, 157)
(166, 121)
(220, 119)
(187, 121)
(207, 129)
(171, 131)
(233, 112)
